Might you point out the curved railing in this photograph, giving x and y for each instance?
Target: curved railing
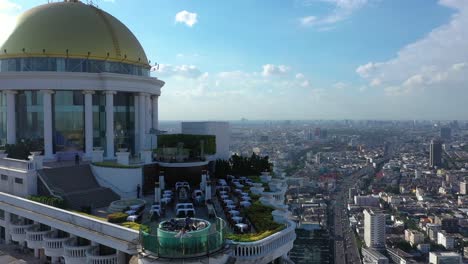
(74, 253)
(93, 257)
(266, 246)
(35, 236)
(186, 247)
(18, 231)
(53, 246)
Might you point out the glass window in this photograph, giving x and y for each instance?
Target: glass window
(18, 180)
(68, 121)
(99, 120)
(70, 65)
(124, 120)
(30, 117)
(4, 177)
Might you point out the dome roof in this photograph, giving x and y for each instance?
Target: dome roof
(75, 30)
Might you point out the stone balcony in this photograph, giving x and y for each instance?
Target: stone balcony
(73, 253)
(53, 245)
(93, 256)
(18, 232)
(267, 249)
(35, 236)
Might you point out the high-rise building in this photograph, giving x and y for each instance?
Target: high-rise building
(374, 229)
(463, 187)
(444, 258)
(435, 158)
(445, 133)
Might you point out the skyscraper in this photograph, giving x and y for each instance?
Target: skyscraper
(374, 229)
(435, 159)
(445, 132)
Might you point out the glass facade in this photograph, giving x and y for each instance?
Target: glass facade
(124, 121)
(70, 65)
(3, 121)
(99, 120)
(68, 118)
(29, 116)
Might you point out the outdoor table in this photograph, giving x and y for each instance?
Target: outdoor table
(132, 218)
(186, 211)
(238, 190)
(234, 212)
(244, 194)
(245, 204)
(227, 202)
(246, 198)
(230, 206)
(167, 192)
(166, 200)
(241, 226)
(167, 195)
(237, 219)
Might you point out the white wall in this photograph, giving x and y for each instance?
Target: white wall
(27, 188)
(121, 180)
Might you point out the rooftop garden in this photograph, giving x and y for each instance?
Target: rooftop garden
(191, 145)
(262, 220)
(241, 166)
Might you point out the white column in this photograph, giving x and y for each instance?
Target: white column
(142, 120)
(47, 109)
(110, 124)
(155, 111)
(149, 113)
(88, 107)
(11, 116)
(7, 228)
(136, 100)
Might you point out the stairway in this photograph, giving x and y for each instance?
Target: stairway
(77, 186)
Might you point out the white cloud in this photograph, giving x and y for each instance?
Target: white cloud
(300, 76)
(340, 85)
(342, 9)
(437, 61)
(274, 70)
(308, 20)
(8, 14)
(186, 71)
(186, 18)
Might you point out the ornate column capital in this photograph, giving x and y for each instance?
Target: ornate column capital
(10, 92)
(88, 92)
(110, 92)
(47, 91)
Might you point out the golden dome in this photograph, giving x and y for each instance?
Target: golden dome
(75, 30)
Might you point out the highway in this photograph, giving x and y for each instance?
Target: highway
(344, 242)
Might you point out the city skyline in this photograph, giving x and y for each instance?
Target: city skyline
(299, 59)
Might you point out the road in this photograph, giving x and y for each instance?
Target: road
(345, 246)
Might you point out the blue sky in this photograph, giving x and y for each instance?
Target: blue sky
(300, 59)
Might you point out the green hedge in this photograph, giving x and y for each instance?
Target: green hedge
(136, 226)
(109, 164)
(49, 200)
(250, 237)
(261, 218)
(117, 218)
(191, 142)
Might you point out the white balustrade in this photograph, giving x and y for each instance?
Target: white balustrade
(24, 165)
(35, 236)
(268, 246)
(53, 246)
(74, 253)
(18, 232)
(93, 257)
